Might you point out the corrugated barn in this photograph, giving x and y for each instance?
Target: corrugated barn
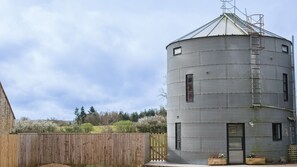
(6, 114)
(230, 91)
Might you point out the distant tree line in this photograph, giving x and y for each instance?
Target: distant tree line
(109, 118)
(151, 120)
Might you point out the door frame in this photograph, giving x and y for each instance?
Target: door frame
(243, 140)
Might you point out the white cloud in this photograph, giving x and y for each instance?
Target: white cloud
(58, 55)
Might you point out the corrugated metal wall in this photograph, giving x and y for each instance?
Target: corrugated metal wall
(222, 87)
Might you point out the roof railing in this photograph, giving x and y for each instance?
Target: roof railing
(257, 21)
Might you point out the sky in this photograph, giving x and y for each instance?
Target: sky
(56, 55)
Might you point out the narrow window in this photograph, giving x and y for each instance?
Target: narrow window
(285, 49)
(178, 136)
(177, 51)
(285, 87)
(189, 88)
(276, 131)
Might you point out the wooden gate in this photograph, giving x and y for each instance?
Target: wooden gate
(158, 146)
(292, 153)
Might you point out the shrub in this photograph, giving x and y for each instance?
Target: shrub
(72, 129)
(87, 127)
(152, 124)
(32, 126)
(124, 126)
(107, 129)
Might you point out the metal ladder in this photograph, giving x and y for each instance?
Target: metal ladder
(256, 45)
(255, 24)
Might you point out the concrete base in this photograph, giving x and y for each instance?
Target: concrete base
(167, 164)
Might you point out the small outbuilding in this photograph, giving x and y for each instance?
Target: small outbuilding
(6, 114)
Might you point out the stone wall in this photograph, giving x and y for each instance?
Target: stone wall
(6, 114)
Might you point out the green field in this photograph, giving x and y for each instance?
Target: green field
(97, 129)
(103, 129)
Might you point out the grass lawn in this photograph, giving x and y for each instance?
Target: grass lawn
(97, 129)
(102, 129)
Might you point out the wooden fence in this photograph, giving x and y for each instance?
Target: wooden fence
(292, 153)
(127, 149)
(158, 146)
(9, 150)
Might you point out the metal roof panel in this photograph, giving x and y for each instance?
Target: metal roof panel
(225, 24)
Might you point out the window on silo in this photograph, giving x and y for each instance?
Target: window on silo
(276, 131)
(178, 136)
(285, 87)
(285, 49)
(189, 88)
(177, 51)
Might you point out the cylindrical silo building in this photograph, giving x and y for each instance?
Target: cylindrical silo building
(230, 90)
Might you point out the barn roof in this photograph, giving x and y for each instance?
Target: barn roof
(226, 24)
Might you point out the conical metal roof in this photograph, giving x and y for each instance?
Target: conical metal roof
(226, 24)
